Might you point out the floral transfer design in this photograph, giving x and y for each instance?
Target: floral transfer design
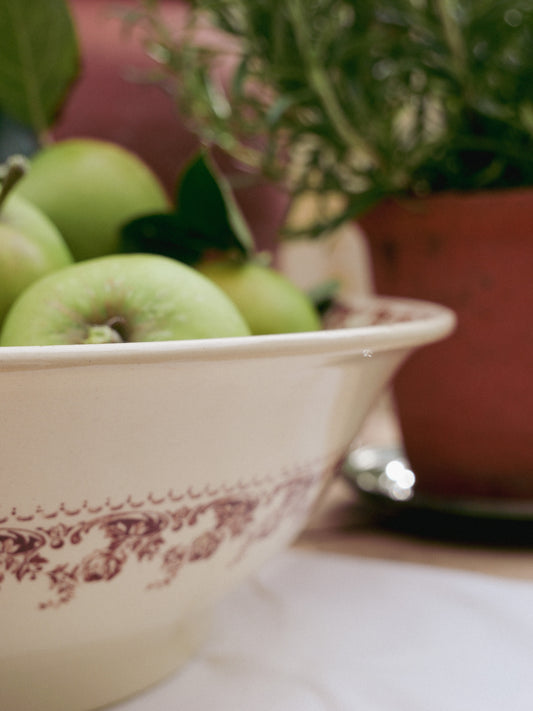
(178, 531)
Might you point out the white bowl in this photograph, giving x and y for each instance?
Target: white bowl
(141, 481)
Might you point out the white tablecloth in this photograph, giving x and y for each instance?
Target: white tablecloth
(322, 632)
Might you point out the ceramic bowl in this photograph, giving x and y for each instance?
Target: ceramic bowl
(140, 482)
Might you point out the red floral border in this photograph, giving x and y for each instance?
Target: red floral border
(172, 531)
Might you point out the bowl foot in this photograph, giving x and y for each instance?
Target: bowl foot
(96, 675)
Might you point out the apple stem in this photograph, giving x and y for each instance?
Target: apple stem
(103, 333)
(11, 172)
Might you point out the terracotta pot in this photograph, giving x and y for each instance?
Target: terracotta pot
(466, 404)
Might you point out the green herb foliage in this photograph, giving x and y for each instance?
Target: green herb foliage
(365, 97)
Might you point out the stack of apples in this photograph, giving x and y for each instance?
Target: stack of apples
(65, 279)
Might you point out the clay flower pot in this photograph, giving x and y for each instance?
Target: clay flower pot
(469, 431)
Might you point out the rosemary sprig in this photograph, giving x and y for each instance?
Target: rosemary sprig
(368, 99)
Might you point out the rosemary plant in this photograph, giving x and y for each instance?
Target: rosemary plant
(366, 98)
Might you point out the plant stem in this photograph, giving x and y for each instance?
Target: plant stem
(103, 333)
(321, 82)
(11, 172)
(454, 39)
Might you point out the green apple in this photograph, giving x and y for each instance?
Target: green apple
(30, 245)
(268, 301)
(121, 298)
(89, 188)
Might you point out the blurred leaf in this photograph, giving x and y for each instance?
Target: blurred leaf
(206, 204)
(206, 218)
(162, 234)
(39, 59)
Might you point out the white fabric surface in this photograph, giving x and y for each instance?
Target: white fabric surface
(321, 632)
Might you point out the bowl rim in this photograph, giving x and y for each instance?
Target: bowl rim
(407, 323)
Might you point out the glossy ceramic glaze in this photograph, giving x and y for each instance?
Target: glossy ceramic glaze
(140, 482)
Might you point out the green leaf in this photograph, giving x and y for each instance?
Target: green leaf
(206, 204)
(206, 219)
(39, 59)
(162, 234)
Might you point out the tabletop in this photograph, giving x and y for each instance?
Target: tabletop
(344, 523)
(419, 621)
